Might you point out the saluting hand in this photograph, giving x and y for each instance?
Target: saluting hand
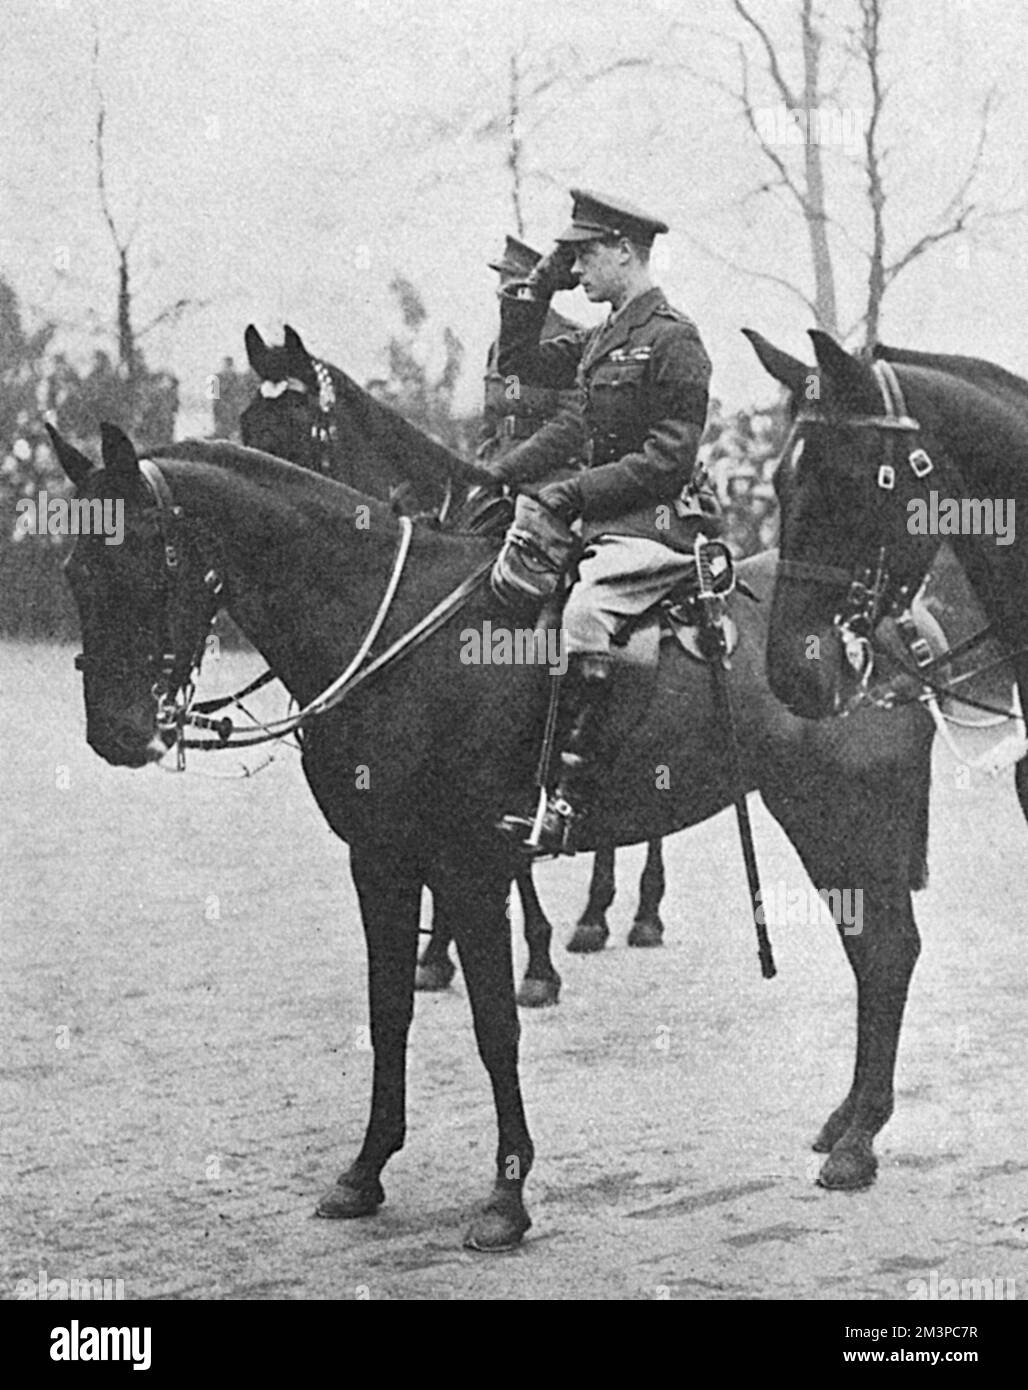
(554, 271)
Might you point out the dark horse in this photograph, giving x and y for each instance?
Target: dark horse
(869, 446)
(311, 413)
(414, 767)
(856, 495)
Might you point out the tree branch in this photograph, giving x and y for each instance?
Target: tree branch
(731, 264)
(772, 57)
(958, 211)
(743, 97)
(101, 118)
(930, 239)
(172, 312)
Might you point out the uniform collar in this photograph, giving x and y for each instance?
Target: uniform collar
(618, 330)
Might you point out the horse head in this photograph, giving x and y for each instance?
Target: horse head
(292, 414)
(851, 464)
(314, 415)
(146, 600)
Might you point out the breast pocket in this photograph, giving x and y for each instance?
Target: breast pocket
(617, 393)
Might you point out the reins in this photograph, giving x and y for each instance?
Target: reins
(950, 689)
(175, 706)
(337, 692)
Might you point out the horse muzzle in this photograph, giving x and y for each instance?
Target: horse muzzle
(126, 740)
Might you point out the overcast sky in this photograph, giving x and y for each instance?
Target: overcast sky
(282, 159)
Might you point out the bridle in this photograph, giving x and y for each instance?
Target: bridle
(324, 434)
(174, 681)
(323, 425)
(172, 672)
(870, 595)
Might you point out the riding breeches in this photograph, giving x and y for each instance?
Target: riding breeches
(619, 578)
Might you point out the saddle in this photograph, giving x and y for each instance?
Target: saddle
(674, 621)
(677, 616)
(535, 570)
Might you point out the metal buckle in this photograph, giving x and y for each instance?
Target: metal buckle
(887, 477)
(920, 463)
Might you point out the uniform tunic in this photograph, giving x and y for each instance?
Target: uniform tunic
(643, 378)
(513, 411)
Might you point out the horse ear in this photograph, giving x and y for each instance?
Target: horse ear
(119, 454)
(852, 381)
(790, 371)
(75, 464)
(298, 354)
(256, 351)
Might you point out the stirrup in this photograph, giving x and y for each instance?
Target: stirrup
(556, 835)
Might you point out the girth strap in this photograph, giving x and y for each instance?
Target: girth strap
(819, 574)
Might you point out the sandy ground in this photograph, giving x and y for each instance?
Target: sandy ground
(186, 1065)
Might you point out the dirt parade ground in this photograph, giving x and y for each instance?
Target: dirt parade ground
(187, 1063)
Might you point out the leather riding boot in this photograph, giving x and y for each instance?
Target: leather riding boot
(584, 702)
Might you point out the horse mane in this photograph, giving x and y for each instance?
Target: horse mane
(974, 370)
(387, 429)
(267, 470)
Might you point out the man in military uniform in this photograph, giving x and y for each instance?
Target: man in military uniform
(643, 378)
(513, 411)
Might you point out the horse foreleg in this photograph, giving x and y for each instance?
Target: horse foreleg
(648, 929)
(478, 899)
(591, 931)
(390, 899)
(435, 968)
(541, 985)
(882, 946)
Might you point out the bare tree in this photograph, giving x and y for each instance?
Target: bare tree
(953, 219)
(514, 143)
(807, 189)
(558, 74)
(127, 350)
(130, 359)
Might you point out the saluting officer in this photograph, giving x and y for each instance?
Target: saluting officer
(513, 410)
(643, 378)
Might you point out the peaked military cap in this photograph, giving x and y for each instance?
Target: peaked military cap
(594, 215)
(518, 258)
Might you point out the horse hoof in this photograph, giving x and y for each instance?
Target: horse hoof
(346, 1200)
(498, 1226)
(848, 1170)
(538, 994)
(828, 1138)
(588, 937)
(646, 932)
(433, 976)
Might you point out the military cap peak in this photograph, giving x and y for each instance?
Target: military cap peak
(596, 215)
(518, 258)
